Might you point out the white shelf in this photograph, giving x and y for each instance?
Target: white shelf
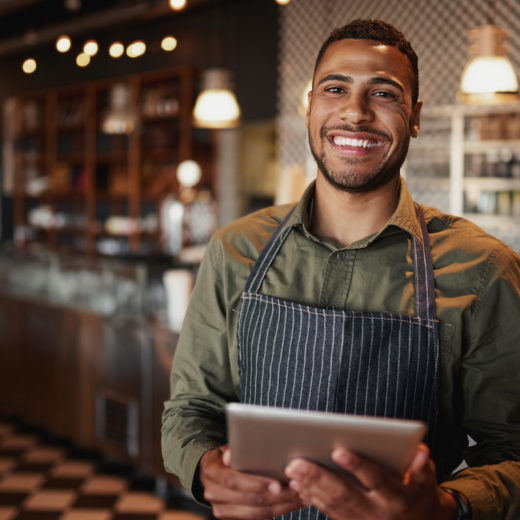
(477, 147)
(491, 183)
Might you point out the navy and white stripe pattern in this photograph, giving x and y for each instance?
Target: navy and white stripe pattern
(365, 363)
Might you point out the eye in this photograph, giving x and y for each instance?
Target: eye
(334, 90)
(384, 94)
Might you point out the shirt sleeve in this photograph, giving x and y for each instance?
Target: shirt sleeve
(490, 383)
(201, 380)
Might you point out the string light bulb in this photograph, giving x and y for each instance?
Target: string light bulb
(82, 59)
(91, 47)
(136, 49)
(177, 5)
(29, 65)
(116, 50)
(168, 43)
(282, 2)
(63, 44)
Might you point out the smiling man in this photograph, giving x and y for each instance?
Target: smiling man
(355, 300)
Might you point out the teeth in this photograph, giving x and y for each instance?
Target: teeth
(347, 141)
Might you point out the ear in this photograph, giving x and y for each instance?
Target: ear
(415, 120)
(307, 114)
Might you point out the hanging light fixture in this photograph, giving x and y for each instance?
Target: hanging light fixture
(216, 105)
(119, 118)
(489, 76)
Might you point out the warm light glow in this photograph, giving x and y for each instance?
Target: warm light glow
(136, 49)
(216, 109)
(116, 50)
(91, 47)
(168, 43)
(82, 60)
(216, 105)
(485, 74)
(282, 2)
(177, 4)
(188, 173)
(489, 76)
(63, 43)
(29, 65)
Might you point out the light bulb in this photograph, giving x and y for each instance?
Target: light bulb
(91, 47)
(177, 5)
(63, 43)
(136, 49)
(29, 65)
(168, 43)
(188, 173)
(116, 50)
(82, 60)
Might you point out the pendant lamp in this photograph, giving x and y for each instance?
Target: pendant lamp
(119, 119)
(489, 76)
(216, 106)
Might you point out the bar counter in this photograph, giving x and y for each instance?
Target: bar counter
(86, 350)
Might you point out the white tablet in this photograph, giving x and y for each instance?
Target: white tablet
(264, 439)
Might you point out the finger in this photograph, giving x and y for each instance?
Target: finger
(322, 488)
(216, 493)
(226, 456)
(372, 476)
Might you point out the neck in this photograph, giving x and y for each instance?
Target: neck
(348, 217)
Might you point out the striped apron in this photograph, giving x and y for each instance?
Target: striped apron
(366, 363)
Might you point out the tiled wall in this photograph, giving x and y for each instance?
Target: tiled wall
(437, 30)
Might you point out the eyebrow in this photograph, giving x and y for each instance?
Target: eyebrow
(377, 80)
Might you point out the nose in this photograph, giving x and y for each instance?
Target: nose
(355, 109)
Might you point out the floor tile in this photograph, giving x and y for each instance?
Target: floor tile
(21, 482)
(72, 468)
(50, 500)
(139, 502)
(63, 483)
(87, 515)
(12, 499)
(8, 513)
(95, 501)
(179, 515)
(6, 463)
(38, 515)
(42, 454)
(104, 485)
(15, 441)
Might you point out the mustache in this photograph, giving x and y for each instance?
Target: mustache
(361, 129)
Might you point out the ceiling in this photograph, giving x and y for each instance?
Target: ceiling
(29, 23)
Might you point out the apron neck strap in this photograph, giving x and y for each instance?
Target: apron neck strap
(424, 280)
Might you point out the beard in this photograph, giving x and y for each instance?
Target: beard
(348, 178)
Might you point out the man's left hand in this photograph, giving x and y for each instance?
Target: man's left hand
(381, 492)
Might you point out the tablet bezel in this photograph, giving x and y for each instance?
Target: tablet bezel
(264, 439)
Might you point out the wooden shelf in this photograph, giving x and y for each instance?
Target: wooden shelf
(124, 162)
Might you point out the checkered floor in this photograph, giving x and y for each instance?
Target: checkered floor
(46, 478)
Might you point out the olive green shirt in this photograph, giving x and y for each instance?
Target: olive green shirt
(477, 288)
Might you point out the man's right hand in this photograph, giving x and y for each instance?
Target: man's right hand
(235, 495)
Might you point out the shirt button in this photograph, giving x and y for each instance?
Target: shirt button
(341, 256)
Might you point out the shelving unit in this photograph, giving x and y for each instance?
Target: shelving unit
(76, 186)
(467, 162)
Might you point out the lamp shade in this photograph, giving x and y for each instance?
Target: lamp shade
(216, 106)
(489, 76)
(119, 118)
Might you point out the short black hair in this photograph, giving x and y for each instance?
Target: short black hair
(379, 31)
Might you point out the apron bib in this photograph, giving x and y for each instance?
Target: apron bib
(366, 363)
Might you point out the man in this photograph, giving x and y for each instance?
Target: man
(356, 300)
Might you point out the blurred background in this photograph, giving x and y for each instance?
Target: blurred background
(115, 171)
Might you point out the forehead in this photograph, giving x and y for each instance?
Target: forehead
(365, 57)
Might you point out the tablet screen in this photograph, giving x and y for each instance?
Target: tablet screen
(264, 439)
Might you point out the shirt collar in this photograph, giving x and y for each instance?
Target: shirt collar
(404, 216)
